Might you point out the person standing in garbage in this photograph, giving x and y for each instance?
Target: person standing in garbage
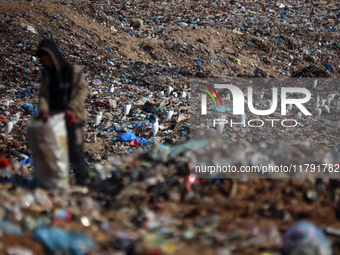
(64, 89)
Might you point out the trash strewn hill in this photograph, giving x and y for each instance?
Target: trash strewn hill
(131, 52)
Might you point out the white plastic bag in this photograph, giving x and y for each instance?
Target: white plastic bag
(49, 146)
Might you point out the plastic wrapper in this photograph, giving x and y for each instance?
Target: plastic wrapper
(60, 241)
(305, 236)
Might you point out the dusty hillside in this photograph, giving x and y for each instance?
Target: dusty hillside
(90, 33)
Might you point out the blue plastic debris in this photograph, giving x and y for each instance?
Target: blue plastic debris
(10, 228)
(27, 92)
(26, 161)
(116, 172)
(144, 140)
(32, 83)
(130, 81)
(32, 108)
(217, 181)
(221, 108)
(130, 136)
(60, 241)
(117, 128)
(199, 62)
(330, 68)
(168, 77)
(127, 137)
(141, 123)
(305, 236)
(199, 223)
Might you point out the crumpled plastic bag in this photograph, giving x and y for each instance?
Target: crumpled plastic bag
(49, 146)
(305, 235)
(143, 140)
(97, 82)
(330, 68)
(141, 123)
(130, 136)
(27, 92)
(10, 228)
(32, 108)
(26, 161)
(127, 137)
(165, 152)
(60, 241)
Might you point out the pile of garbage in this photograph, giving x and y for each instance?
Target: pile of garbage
(150, 202)
(138, 57)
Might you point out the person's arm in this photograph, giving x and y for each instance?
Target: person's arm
(79, 92)
(43, 104)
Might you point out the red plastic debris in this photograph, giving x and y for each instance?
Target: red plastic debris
(4, 162)
(134, 143)
(189, 180)
(3, 118)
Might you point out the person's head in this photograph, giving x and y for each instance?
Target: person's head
(46, 60)
(49, 54)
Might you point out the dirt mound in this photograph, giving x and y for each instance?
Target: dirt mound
(90, 32)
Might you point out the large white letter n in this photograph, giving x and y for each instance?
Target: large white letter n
(238, 97)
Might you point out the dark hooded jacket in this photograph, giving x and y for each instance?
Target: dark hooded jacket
(62, 88)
